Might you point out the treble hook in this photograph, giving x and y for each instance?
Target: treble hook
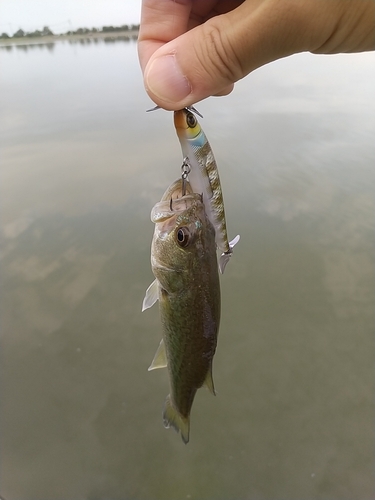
(189, 108)
(185, 167)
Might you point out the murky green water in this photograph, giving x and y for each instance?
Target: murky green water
(81, 166)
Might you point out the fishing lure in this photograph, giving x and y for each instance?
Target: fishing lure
(204, 177)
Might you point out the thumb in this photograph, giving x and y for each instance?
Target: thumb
(192, 67)
(210, 58)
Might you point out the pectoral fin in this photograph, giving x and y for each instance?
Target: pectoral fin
(160, 358)
(151, 296)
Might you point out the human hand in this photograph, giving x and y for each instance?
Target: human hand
(191, 49)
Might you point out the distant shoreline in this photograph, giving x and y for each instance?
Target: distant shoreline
(25, 40)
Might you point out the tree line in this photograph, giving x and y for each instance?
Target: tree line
(46, 31)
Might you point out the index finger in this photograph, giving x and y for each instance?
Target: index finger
(165, 20)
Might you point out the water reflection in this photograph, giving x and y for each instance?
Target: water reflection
(92, 39)
(82, 165)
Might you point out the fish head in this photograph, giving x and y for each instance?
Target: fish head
(183, 236)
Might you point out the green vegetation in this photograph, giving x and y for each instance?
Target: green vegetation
(80, 31)
(125, 27)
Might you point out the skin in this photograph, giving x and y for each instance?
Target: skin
(192, 49)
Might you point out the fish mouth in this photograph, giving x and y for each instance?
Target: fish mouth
(174, 202)
(175, 190)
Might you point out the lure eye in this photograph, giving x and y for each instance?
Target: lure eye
(191, 120)
(183, 237)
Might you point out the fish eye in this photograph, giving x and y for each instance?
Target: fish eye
(191, 120)
(183, 236)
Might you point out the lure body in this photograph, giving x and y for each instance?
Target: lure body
(204, 177)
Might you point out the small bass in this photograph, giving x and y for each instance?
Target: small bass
(204, 177)
(184, 263)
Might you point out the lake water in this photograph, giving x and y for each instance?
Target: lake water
(82, 164)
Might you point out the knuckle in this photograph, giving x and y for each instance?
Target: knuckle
(220, 55)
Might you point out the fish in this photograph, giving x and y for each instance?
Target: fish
(187, 286)
(204, 177)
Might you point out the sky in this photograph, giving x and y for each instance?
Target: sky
(63, 15)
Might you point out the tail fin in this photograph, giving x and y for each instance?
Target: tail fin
(171, 418)
(224, 257)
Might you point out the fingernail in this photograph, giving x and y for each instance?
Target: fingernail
(165, 80)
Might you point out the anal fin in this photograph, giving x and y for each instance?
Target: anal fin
(209, 383)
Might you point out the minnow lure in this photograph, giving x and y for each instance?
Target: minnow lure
(204, 177)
